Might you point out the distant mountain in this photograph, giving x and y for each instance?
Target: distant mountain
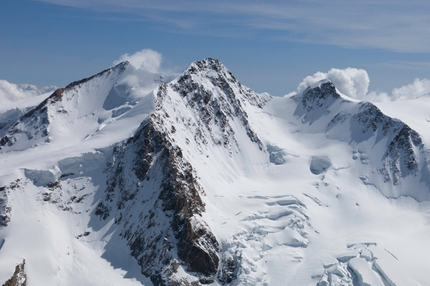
(136, 178)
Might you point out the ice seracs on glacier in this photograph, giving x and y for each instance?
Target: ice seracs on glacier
(143, 178)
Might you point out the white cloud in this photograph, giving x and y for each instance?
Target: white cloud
(355, 83)
(378, 96)
(10, 92)
(311, 80)
(145, 59)
(351, 81)
(416, 89)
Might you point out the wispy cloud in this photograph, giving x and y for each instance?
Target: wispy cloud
(10, 92)
(145, 59)
(405, 65)
(387, 24)
(149, 60)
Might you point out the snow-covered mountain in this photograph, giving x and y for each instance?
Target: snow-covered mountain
(135, 178)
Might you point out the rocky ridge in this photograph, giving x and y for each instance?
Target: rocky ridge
(172, 233)
(19, 278)
(149, 191)
(34, 126)
(402, 146)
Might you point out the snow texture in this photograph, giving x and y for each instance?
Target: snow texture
(134, 177)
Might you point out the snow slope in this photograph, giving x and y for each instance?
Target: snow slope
(135, 178)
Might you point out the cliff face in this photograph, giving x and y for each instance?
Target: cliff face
(151, 169)
(154, 195)
(388, 144)
(19, 278)
(140, 178)
(32, 126)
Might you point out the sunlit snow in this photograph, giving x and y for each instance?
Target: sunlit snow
(325, 198)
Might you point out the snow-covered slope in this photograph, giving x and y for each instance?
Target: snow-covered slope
(129, 178)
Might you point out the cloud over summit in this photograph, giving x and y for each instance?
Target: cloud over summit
(355, 83)
(145, 59)
(351, 81)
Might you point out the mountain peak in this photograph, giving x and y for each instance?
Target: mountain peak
(318, 97)
(119, 67)
(211, 68)
(207, 63)
(143, 178)
(319, 84)
(212, 73)
(322, 89)
(216, 99)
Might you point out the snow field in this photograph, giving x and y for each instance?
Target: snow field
(305, 206)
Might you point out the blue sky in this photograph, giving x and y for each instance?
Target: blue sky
(268, 45)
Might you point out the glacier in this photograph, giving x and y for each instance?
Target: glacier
(130, 177)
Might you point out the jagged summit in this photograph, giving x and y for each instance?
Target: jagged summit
(217, 102)
(141, 178)
(326, 82)
(205, 65)
(219, 76)
(392, 146)
(210, 68)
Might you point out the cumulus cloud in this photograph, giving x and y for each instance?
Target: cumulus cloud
(146, 59)
(355, 83)
(351, 81)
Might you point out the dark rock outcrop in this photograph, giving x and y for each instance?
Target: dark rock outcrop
(19, 278)
(34, 125)
(216, 107)
(171, 231)
(363, 121)
(152, 190)
(315, 102)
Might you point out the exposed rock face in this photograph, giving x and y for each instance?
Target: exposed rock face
(19, 278)
(364, 122)
(216, 98)
(315, 102)
(226, 275)
(149, 177)
(33, 124)
(144, 192)
(8, 118)
(403, 144)
(401, 158)
(5, 206)
(32, 128)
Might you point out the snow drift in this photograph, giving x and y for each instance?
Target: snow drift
(140, 178)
